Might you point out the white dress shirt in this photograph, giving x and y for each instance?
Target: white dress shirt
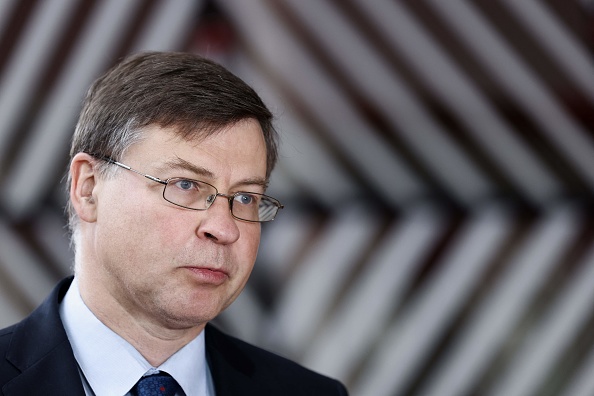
(111, 366)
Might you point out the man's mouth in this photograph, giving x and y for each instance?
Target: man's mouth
(207, 275)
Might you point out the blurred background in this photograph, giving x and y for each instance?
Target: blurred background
(437, 169)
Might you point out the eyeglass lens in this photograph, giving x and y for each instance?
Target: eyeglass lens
(194, 194)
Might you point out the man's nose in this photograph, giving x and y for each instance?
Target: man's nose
(217, 222)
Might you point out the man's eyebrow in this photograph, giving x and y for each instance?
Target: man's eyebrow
(254, 182)
(180, 163)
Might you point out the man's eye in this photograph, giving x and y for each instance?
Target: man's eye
(185, 184)
(246, 199)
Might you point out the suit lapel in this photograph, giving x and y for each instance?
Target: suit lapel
(233, 371)
(41, 351)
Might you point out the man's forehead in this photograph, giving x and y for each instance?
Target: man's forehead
(178, 151)
(194, 137)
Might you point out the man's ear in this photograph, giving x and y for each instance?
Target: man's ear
(82, 186)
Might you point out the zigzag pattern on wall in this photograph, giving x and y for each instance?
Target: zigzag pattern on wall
(437, 169)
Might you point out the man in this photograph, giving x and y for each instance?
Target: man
(170, 161)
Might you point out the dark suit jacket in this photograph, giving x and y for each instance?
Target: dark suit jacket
(37, 359)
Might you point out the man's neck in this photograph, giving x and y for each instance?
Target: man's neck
(156, 342)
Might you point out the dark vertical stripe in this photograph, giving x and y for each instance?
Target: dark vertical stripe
(14, 29)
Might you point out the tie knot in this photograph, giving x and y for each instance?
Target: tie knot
(161, 384)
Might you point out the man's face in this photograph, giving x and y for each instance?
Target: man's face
(168, 264)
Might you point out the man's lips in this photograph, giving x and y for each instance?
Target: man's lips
(212, 276)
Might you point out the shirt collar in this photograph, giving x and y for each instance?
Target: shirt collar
(111, 365)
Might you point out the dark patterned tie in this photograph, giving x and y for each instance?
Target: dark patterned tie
(161, 384)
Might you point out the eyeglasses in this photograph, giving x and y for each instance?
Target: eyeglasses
(198, 195)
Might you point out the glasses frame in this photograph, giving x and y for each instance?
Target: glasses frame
(208, 202)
